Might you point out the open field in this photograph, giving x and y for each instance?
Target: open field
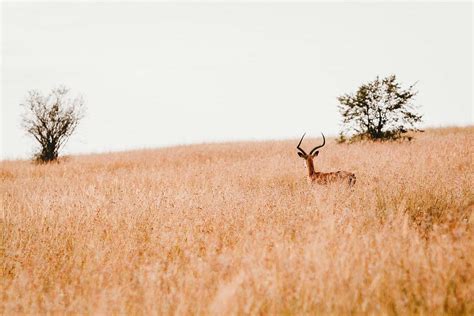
(235, 228)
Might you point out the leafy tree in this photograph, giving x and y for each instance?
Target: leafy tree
(51, 120)
(379, 110)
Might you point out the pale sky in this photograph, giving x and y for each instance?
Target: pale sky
(161, 74)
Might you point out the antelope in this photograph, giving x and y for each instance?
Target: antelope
(323, 177)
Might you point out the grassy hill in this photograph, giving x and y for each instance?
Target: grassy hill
(236, 228)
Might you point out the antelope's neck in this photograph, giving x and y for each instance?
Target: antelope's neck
(310, 165)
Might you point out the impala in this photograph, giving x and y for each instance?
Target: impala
(323, 177)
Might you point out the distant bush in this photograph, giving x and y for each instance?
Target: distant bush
(379, 110)
(51, 120)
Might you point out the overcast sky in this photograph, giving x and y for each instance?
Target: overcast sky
(159, 74)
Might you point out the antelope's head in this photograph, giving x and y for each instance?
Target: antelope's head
(313, 153)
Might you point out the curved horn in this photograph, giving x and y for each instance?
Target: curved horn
(314, 149)
(298, 147)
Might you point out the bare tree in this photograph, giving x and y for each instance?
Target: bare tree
(51, 120)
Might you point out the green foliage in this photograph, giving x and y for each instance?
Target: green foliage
(379, 110)
(51, 120)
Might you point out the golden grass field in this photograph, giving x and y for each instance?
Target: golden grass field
(235, 228)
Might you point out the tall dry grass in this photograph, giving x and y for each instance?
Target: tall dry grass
(236, 229)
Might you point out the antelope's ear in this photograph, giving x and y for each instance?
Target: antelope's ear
(316, 153)
(300, 154)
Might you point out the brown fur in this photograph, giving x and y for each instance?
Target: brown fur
(328, 177)
(323, 177)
